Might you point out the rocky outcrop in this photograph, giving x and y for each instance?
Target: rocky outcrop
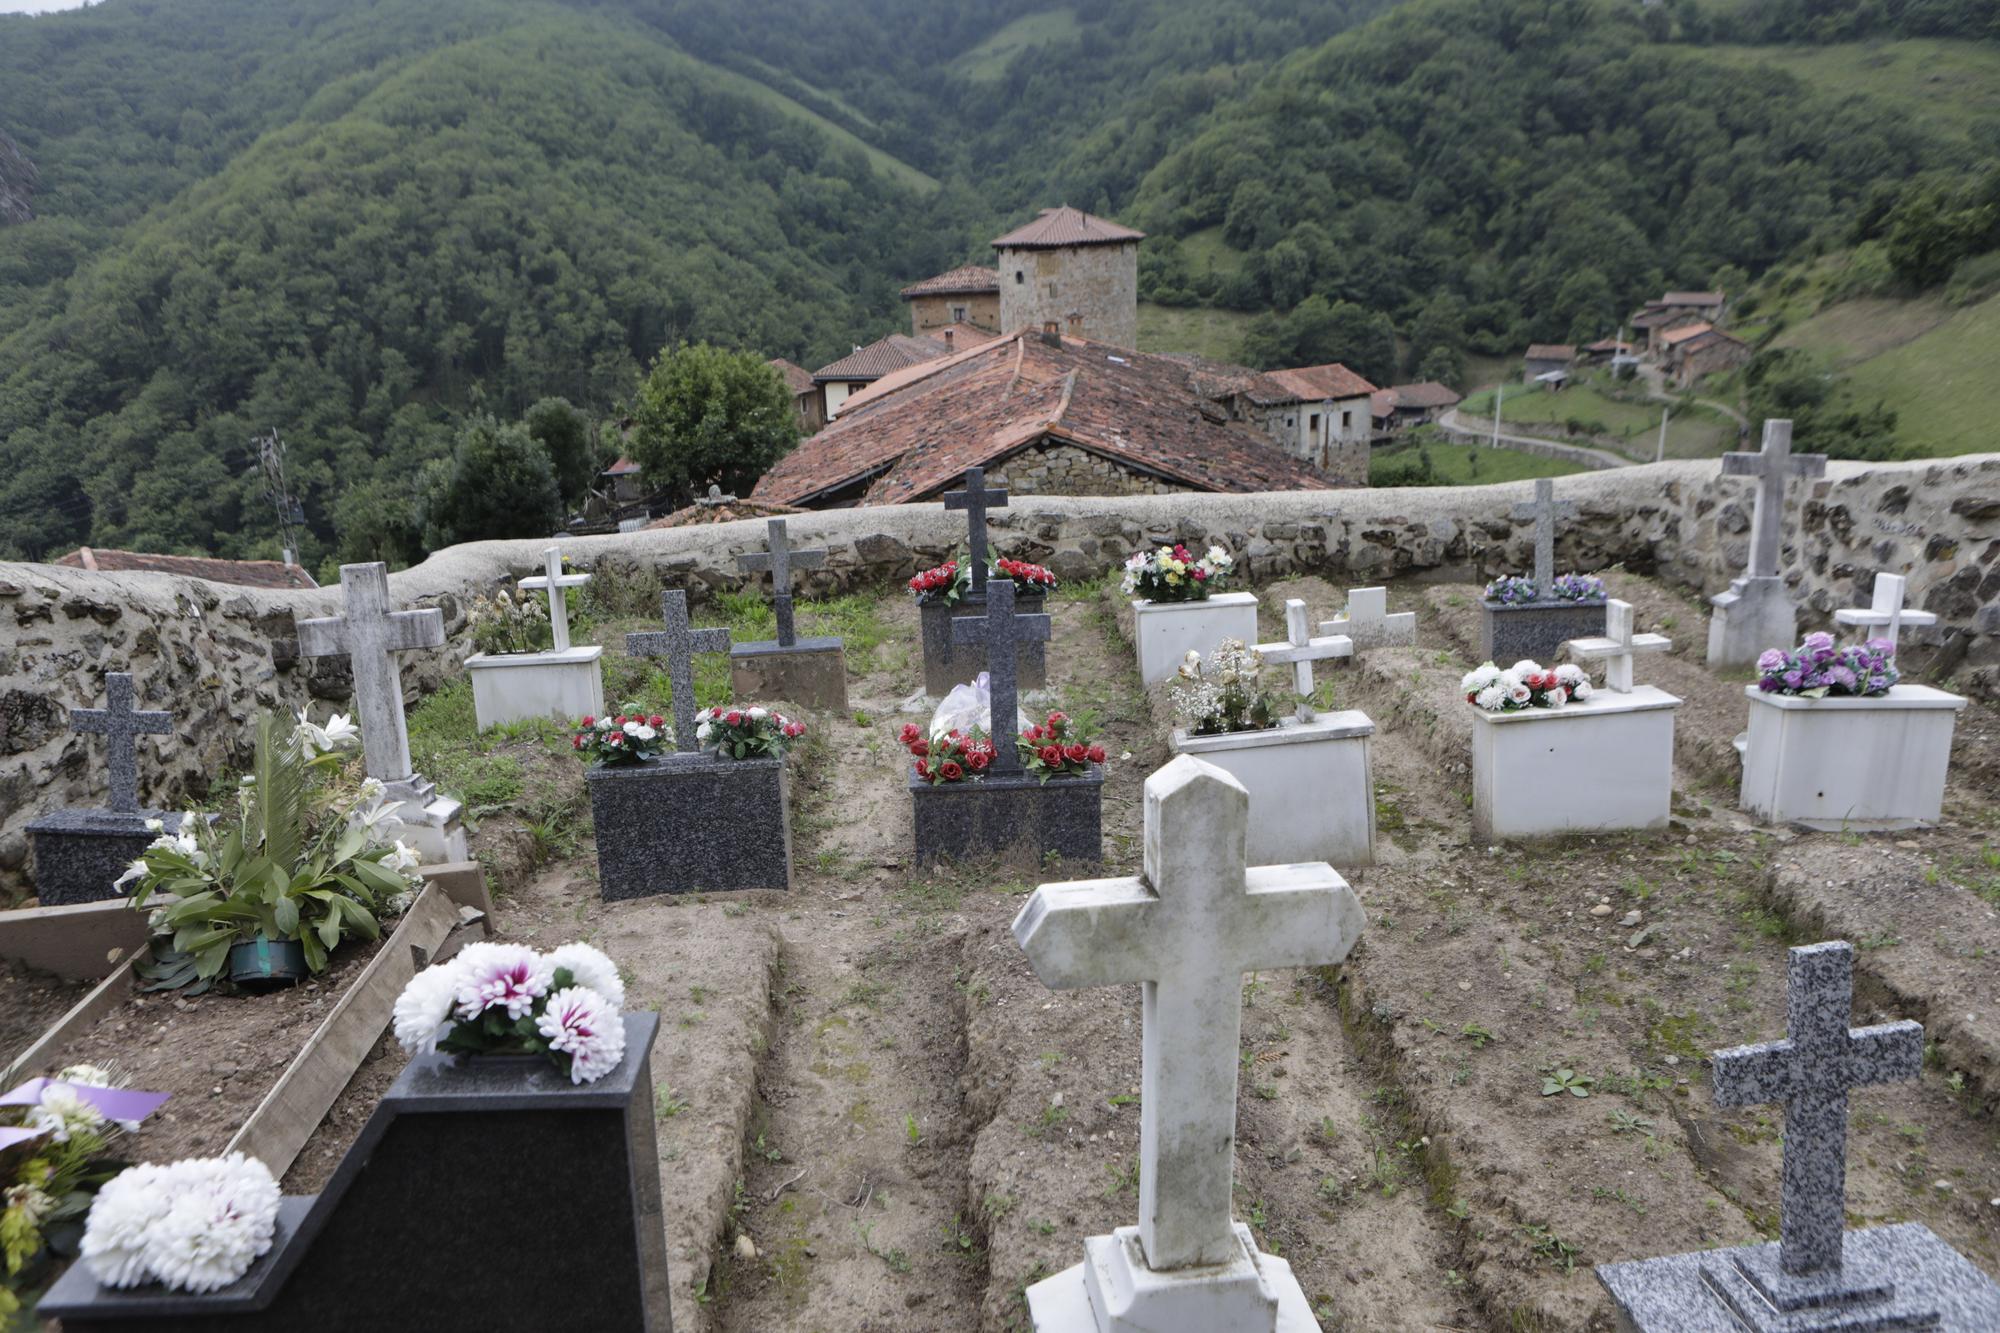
(216, 654)
(17, 182)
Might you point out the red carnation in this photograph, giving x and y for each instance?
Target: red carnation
(1095, 754)
(1076, 753)
(576, 742)
(589, 721)
(656, 721)
(951, 771)
(1056, 718)
(1033, 733)
(619, 720)
(1198, 574)
(733, 718)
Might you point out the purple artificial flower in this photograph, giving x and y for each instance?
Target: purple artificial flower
(1882, 647)
(1818, 641)
(1769, 685)
(1794, 679)
(1877, 684)
(1842, 676)
(1772, 659)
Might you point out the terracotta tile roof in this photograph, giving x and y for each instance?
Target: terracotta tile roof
(1675, 337)
(797, 378)
(880, 357)
(1709, 337)
(727, 510)
(1653, 316)
(1310, 383)
(247, 573)
(967, 278)
(1550, 352)
(958, 337)
(1424, 393)
(1065, 226)
(624, 467)
(1690, 298)
(1382, 402)
(1608, 345)
(909, 441)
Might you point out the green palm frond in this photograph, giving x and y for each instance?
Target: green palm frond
(277, 813)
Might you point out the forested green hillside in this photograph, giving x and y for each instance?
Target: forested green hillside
(367, 222)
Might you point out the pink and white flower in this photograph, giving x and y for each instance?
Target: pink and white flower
(586, 1027)
(501, 976)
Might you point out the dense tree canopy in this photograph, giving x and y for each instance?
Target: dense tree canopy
(704, 416)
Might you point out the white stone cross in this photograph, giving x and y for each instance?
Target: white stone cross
(1618, 646)
(1887, 613)
(1545, 510)
(121, 725)
(1301, 650)
(1771, 465)
(780, 559)
(1367, 621)
(1187, 932)
(1811, 1070)
(368, 633)
(555, 582)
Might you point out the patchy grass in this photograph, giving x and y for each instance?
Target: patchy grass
(887, 163)
(1196, 330)
(1950, 87)
(1467, 464)
(1694, 431)
(988, 61)
(1941, 384)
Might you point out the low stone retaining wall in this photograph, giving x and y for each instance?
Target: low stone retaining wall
(216, 654)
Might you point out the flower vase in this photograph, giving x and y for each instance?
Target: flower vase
(263, 964)
(1166, 632)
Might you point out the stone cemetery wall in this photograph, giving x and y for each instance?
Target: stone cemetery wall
(215, 654)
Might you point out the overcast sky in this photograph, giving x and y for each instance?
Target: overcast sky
(37, 6)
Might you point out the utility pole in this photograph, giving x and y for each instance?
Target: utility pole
(1499, 392)
(1660, 455)
(271, 461)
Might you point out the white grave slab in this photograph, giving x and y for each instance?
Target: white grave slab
(1311, 785)
(1841, 764)
(1166, 632)
(1186, 931)
(1603, 764)
(1368, 623)
(565, 682)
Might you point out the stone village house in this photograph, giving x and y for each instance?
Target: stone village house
(1699, 350)
(1547, 363)
(968, 295)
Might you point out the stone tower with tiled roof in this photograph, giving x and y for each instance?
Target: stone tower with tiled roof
(1073, 270)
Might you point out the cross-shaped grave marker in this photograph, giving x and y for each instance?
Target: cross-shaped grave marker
(1545, 510)
(121, 725)
(368, 633)
(1772, 465)
(1301, 650)
(1811, 1070)
(780, 559)
(1001, 633)
(1887, 611)
(555, 583)
(678, 643)
(1368, 623)
(1618, 646)
(1187, 931)
(975, 500)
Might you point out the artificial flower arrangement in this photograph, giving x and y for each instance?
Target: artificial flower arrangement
(508, 999)
(623, 738)
(1524, 685)
(952, 580)
(312, 860)
(1520, 590)
(1055, 747)
(1175, 574)
(194, 1225)
(55, 1133)
(1223, 693)
(746, 733)
(502, 624)
(1818, 668)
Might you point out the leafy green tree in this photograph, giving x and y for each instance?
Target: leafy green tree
(703, 415)
(498, 484)
(1317, 331)
(1445, 365)
(564, 434)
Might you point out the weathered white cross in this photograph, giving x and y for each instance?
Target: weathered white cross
(780, 559)
(121, 725)
(1618, 646)
(368, 633)
(1545, 510)
(1887, 611)
(1187, 932)
(556, 583)
(1367, 621)
(1810, 1070)
(1301, 650)
(975, 500)
(678, 643)
(1771, 465)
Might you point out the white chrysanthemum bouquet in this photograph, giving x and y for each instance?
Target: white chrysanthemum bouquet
(194, 1225)
(1524, 685)
(508, 999)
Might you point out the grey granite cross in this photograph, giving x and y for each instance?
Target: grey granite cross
(368, 633)
(678, 643)
(1301, 650)
(1002, 633)
(121, 725)
(1771, 465)
(780, 559)
(975, 500)
(556, 584)
(1545, 510)
(1810, 1071)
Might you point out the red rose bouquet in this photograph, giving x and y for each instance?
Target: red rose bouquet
(956, 756)
(941, 584)
(625, 738)
(1058, 748)
(746, 733)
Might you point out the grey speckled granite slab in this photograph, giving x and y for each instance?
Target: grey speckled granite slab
(1536, 631)
(1012, 817)
(691, 823)
(79, 854)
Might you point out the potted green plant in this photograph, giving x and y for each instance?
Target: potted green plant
(310, 860)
